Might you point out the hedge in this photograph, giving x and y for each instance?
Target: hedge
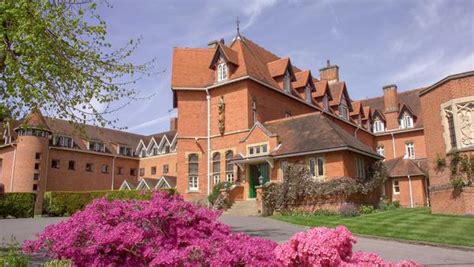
(66, 203)
(18, 205)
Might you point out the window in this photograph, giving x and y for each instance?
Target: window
(406, 121)
(254, 110)
(326, 102)
(316, 167)
(287, 82)
(55, 164)
(396, 187)
(142, 153)
(378, 125)
(120, 170)
(458, 123)
(71, 165)
(38, 156)
(35, 187)
(63, 141)
(155, 151)
(105, 168)
(133, 172)
(222, 72)
(142, 172)
(229, 166)
(165, 149)
(32, 132)
(410, 150)
(381, 151)
(360, 166)
(36, 176)
(153, 170)
(37, 166)
(216, 166)
(89, 167)
(126, 151)
(193, 171)
(257, 150)
(96, 146)
(343, 108)
(283, 168)
(308, 91)
(166, 169)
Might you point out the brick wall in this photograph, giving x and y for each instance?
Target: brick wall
(401, 138)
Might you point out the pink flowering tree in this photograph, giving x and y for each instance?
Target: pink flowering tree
(168, 231)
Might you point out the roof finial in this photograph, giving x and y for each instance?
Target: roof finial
(238, 26)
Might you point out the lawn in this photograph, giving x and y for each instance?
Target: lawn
(409, 224)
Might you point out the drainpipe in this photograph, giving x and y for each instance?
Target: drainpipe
(411, 192)
(13, 170)
(427, 192)
(208, 99)
(393, 146)
(47, 168)
(113, 172)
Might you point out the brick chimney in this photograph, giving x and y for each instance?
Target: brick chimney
(174, 124)
(390, 98)
(330, 73)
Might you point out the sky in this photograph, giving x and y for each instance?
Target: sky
(410, 43)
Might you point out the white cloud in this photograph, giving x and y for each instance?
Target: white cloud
(153, 122)
(419, 66)
(427, 13)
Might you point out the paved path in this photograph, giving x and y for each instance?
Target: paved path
(24, 229)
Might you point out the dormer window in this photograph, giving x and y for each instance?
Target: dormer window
(126, 151)
(378, 125)
(96, 146)
(63, 141)
(287, 82)
(406, 121)
(308, 90)
(222, 71)
(326, 102)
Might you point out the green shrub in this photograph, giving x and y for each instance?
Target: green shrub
(216, 190)
(18, 205)
(58, 263)
(396, 204)
(13, 256)
(367, 209)
(66, 203)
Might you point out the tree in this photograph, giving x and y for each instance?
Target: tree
(54, 55)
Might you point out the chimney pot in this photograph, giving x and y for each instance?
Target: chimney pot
(390, 98)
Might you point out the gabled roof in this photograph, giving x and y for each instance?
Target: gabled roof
(446, 79)
(379, 114)
(170, 181)
(338, 89)
(259, 126)
(279, 67)
(400, 167)
(130, 184)
(409, 98)
(224, 51)
(407, 108)
(367, 113)
(357, 109)
(34, 120)
(298, 135)
(303, 78)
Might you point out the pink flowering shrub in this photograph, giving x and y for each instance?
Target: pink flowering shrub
(167, 231)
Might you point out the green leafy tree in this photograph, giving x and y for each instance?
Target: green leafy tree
(54, 55)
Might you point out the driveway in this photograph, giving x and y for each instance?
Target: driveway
(23, 229)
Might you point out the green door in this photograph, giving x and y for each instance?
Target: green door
(255, 172)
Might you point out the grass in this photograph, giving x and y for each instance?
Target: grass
(410, 224)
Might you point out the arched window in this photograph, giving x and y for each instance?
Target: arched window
(193, 172)
(216, 167)
(378, 125)
(222, 71)
(229, 166)
(406, 121)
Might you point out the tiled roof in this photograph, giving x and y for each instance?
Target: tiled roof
(298, 135)
(278, 67)
(230, 54)
(367, 113)
(35, 120)
(410, 98)
(337, 90)
(357, 108)
(321, 88)
(400, 167)
(171, 180)
(302, 79)
(191, 67)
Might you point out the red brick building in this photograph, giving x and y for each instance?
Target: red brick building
(243, 113)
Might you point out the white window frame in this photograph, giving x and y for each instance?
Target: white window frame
(193, 183)
(63, 140)
(396, 186)
(287, 82)
(216, 178)
(229, 177)
(222, 72)
(410, 150)
(379, 126)
(406, 121)
(104, 168)
(258, 149)
(360, 166)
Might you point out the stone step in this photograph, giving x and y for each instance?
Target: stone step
(243, 208)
